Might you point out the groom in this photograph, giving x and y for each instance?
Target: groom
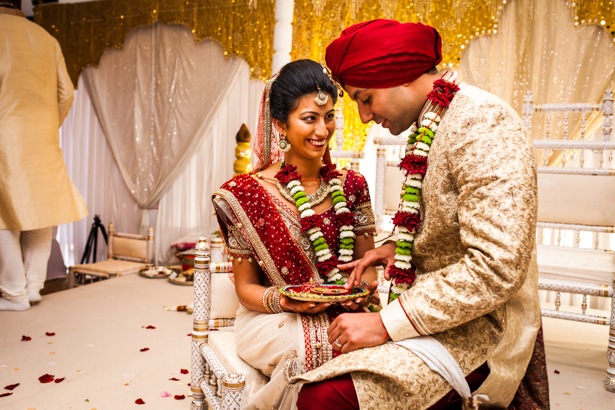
(474, 253)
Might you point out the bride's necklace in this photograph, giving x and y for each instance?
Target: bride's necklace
(315, 198)
(290, 181)
(414, 166)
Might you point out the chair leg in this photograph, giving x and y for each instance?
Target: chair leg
(232, 390)
(609, 382)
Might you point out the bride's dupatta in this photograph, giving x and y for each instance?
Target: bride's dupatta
(274, 247)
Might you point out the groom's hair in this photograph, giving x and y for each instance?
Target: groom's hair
(295, 80)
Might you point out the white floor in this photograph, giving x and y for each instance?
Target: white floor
(100, 329)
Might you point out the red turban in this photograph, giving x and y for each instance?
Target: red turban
(383, 53)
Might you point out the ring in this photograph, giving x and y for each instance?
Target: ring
(337, 343)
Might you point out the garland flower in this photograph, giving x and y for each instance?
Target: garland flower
(311, 223)
(414, 165)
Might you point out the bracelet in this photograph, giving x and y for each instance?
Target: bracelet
(271, 300)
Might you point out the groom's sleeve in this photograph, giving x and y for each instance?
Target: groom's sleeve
(491, 161)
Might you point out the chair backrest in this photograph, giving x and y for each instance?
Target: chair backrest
(130, 247)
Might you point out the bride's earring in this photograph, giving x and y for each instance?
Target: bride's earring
(284, 145)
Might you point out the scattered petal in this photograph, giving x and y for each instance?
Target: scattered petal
(126, 384)
(11, 386)
(165, 394)
(178, 397)
(174, 379)
(181, 384)
(50, 343)
(139, 401)
(52, 363)
(50, 333)
(88, 400)
(581, 387)
(145, 349)
(6, 394)
(3, 365)
(25, 338)
(60, 380)
(183, 371)
(17, 368)
(189, 334)
(188, 384)
(53, 352)
(556, 371)
(90, 345)
(46, 378)
(567, 393)
(150, 327)
(128, 375)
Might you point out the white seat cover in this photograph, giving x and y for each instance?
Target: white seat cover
(576, 265)
(224, 300)
(222, 343)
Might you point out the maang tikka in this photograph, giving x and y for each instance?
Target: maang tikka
(321, 98)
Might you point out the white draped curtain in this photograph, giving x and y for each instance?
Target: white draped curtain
(155, 100)
(155, 123)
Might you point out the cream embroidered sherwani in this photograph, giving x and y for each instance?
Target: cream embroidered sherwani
(476, 291)
(35, 96)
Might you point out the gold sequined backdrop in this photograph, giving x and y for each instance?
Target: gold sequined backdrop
(86, 30)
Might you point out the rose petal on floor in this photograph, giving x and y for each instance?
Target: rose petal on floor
(139, 401)
(174, 379)
(11, 386)
(150, 327)
(50, 333)
(6, 394)
(25, 338)
(165, 394)
(60, 380)
(46, 378)
(183, 371)
(178, 397)
(145, 349)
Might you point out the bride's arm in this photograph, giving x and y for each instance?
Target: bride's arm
(250, 291)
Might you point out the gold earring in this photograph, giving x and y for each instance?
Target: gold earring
(283, 145)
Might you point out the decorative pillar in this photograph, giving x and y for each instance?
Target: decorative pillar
(200, 321)
(609, 382)
(282, 34)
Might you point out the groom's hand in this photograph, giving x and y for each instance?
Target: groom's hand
(360, 302)
(382, 256)
(351, 331)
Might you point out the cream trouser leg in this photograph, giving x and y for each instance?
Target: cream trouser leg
(23, 262)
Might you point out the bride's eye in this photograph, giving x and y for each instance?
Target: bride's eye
(309, 118)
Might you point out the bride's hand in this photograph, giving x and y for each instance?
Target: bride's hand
(305, 308)
(360, 302)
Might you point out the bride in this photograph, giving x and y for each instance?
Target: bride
(292, 221)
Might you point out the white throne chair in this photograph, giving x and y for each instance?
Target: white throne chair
(576, 202)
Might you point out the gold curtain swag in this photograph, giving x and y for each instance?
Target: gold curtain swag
(86, 30)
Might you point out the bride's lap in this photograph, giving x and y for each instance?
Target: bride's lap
(263, 340)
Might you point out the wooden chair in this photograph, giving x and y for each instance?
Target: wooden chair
(127, 254)
(574, 202)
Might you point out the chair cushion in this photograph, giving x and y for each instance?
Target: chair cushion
(224, 301)
(109, 267)
(576, 265)
(222, 343)
(393, 181)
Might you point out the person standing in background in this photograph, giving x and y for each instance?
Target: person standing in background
(36, 193)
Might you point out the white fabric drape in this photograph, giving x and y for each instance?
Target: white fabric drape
(92, 169)
(186, 208)
(155, 100)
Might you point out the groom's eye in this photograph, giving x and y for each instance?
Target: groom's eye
(367, 100)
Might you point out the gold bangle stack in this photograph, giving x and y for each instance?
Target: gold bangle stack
(271, 300)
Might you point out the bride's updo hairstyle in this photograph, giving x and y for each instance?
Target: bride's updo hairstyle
(298, 79)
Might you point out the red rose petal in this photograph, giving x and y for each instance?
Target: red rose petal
(11, 386)
(183, 371)
(178, 397)
(556, 371)
(139, 401)
(25, 338)
(6, 394)
(60, 380)
(174, 379)
(145, 349)
(150, 327)
(46, 378)
(189, 334)
(50, 333)
(188, 384)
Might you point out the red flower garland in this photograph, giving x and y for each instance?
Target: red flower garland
(327, 265)
(443, 92)
(402, 276)
(329, 171)
(287, 173)
(309, 222)
(413, 164)
(410, 221)
(345, 219)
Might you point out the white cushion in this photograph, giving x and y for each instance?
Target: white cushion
(576, 265)
(109, 267)
(224, 301)
(223, 345)
(393, 181)
(576, 199)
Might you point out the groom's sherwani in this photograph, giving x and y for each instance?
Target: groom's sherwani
(475, 254)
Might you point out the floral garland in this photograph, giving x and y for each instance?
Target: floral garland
(311, 223)
(414, 166)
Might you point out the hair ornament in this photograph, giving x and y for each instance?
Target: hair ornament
(321, 98)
